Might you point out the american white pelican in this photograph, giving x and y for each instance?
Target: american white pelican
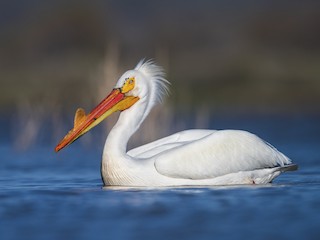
(192, 157)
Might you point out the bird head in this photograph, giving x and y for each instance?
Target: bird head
(145, 82)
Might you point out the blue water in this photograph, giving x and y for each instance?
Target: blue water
(44, 195)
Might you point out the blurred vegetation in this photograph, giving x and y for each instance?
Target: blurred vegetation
(247, 55)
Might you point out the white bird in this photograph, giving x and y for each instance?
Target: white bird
(187, 158)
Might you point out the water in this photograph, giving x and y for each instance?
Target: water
(44, 195)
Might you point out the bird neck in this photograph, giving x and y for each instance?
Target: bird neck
(128, 123)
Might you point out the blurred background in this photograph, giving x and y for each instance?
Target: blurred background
(223, 58)
(251, 65)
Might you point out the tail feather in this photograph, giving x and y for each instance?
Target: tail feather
(289, 167)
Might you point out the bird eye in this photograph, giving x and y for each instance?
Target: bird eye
(128, 84)
(129, 80)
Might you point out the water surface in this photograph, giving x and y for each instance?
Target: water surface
(48, 196)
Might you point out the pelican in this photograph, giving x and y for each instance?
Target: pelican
(188, 158)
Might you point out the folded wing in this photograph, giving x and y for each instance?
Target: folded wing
(218, 153)
(164, 144)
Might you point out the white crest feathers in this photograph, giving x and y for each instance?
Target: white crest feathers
(159, 85)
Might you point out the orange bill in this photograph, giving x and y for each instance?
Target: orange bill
(115, 101)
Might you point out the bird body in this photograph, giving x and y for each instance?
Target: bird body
(188, 158)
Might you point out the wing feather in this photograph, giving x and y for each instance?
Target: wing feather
(217, 154)
(164, 144)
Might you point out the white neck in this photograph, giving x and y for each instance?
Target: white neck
(128, 123)
(116, 166)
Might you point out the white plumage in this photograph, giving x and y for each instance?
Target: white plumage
(192, 157)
